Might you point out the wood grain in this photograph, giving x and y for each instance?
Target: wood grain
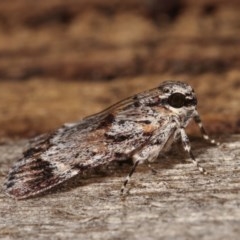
(176, 203)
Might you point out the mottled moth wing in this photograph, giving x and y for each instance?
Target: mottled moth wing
(112, 135)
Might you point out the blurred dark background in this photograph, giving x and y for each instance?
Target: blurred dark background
(63, 60)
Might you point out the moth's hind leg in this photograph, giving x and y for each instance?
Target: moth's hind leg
(129, 176)
(147, 154)
(197, 119)
(187, 148)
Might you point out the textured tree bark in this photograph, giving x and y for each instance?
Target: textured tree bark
(176, 203)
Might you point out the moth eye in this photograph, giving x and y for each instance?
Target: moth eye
(176, 100)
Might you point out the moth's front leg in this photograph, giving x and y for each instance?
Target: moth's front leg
(187, 148)
(197, 120)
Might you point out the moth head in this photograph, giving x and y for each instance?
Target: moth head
(179, 97)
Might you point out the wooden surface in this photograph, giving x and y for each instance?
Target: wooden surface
(176, 203)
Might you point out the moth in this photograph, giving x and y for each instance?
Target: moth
(138, 128)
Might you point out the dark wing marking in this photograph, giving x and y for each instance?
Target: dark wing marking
(112, 134)
(31, 177)
(48, 162)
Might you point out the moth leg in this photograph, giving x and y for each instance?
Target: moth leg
(198, 121)
(187, 148)
(151, 149)
(129, 176)
(146, 154)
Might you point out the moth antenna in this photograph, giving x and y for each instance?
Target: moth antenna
(198, 121)
(187, 148)
(129, 176)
